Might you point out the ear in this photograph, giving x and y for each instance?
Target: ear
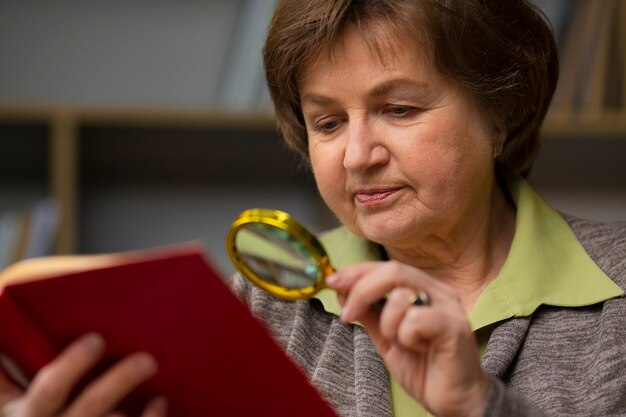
(498, 139)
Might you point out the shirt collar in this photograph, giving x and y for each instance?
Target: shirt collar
(546, 265)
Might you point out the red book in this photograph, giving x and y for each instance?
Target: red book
(215, 358)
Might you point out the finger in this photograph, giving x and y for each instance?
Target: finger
(8, 390)
(358, 296)
(341, 281)
(394, 274)
(157, 407)
(374, 284)
(103, 394)
(54, 382)
(422, 325)
(399, 300)
(384, 328)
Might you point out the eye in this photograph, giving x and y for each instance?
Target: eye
(399, 111)
(327, 125)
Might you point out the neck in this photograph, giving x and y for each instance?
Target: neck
(470, 256)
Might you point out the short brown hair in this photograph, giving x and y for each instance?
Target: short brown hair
(502, 52)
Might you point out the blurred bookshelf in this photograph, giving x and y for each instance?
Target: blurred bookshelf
(592, 50)
(582, 163)
(102, 163)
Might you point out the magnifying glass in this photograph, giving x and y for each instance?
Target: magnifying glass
(278, 254)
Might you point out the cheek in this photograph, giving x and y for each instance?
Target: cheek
(457, 145)
(327, 166)
(432, 154)
(447, 159)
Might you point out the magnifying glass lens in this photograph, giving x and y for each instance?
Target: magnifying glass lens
(277, 254)
(276, 257)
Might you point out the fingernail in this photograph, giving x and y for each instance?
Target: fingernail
(158, 404)
(332, 278)
(346, 315)
(93, 341)
(146, 364)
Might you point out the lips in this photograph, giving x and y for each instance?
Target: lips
(373, 197)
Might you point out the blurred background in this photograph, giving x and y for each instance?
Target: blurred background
(131, 124)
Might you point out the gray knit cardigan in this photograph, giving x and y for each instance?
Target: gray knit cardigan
(557, 362)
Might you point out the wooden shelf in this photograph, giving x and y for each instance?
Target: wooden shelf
(199, 117)
(603, 125)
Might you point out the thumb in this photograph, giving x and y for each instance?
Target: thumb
(8, 389)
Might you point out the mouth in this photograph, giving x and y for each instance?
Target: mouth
(374, 197)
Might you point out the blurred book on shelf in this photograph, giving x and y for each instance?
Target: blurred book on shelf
(10, 231)
(592, 44)
(28, 233)
(559, 12)
(242, 85)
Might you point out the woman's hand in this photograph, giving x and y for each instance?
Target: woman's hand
(429, 349)
(50, 389)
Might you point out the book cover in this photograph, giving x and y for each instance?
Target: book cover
(214, 357)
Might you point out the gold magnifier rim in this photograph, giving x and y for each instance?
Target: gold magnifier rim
(280, 220)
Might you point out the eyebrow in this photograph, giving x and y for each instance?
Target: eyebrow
(378, 91)
(396, 84)
(316, 99)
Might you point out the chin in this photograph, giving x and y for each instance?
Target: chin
(384, 233)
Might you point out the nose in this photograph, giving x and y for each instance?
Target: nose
(365, 147)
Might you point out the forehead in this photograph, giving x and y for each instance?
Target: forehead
(379, 47)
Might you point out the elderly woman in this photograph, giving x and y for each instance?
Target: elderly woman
(420, 121)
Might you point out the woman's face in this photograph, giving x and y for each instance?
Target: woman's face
(399, 153)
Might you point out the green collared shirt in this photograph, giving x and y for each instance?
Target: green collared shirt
(546, 265)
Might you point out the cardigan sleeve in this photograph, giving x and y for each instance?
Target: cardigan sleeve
(502, 401)
(240, 287)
